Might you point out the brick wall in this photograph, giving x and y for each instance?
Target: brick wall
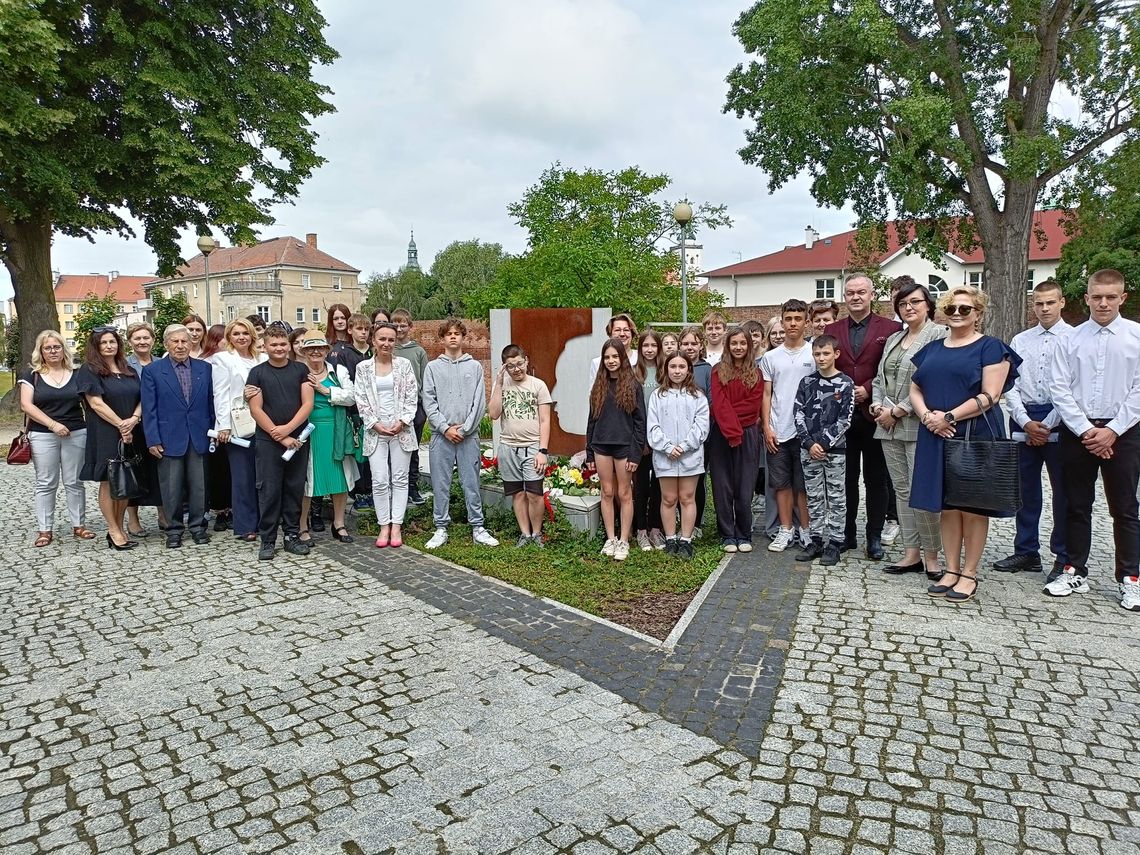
(478, 343)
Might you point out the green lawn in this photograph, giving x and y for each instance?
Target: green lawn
(570, 569)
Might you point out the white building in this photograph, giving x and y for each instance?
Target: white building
(815, 269)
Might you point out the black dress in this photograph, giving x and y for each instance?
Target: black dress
(120, 392)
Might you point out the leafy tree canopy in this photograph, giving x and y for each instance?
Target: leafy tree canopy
(94, 311)
(12, 346)
(928, 110)
(167, 311)
(464, 265)
(1105, 226)
(180, 114)
(407, 288)
(595, 239)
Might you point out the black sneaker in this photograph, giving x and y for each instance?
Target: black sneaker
(671, 544)
(685, 550)
(812, 551)
(414, 496)
(1058, 569)
(1016, 563)
(830, 554)
(296, 546)
(266, 552)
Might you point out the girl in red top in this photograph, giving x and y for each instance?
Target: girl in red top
(734, 449)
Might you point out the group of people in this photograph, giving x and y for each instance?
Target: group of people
(260, 423)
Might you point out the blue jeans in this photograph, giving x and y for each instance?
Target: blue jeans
(1031, 458)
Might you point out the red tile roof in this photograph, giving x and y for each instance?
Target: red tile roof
(832, 252)
(127, 289)
(275, 252)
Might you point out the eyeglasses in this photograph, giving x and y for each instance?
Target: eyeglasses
(912, 304)
(516, 366)
(281, 325)
(51, 348)
(101, 330)
(964, 311)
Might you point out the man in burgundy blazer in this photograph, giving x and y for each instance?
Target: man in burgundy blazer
(862, 336)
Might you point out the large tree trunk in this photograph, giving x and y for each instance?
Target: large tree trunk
(27, 255)
(1005, 237)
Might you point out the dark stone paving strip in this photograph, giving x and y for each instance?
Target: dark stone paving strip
(719, 681)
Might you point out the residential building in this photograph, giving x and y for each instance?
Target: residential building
(279, 279)
(72, 289)
(816, 268)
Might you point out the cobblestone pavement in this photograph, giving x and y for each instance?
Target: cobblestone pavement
(200, 701)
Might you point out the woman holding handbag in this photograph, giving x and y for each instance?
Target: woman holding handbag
(232, 419)
(57, 431)
(114, 417)
(387, 397)
(958, 380)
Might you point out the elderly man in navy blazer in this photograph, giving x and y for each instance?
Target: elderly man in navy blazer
(178, 410)
(862, 336)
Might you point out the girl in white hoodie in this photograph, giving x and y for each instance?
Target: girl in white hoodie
(677, 425)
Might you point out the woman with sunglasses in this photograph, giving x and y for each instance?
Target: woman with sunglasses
(114, 414)
(958, 379)
(50, 398)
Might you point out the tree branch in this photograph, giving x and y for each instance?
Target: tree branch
(1112, 131)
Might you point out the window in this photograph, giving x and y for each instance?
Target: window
(977, 279)
(1029, 279)
(68, 308)
(71, 343)
(316, 315)
(936, 284)
(219, 288)
(232, 313)
(169, 290)
(825, 289)
(300, 315)
(306, 280)
(263, 313)
(69, 326)
(195, 290)
(183, 290)
(336, 283)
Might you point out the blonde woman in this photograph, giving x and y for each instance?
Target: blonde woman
(231, 370)
(57, 430)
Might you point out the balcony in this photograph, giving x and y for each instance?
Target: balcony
(251, 285)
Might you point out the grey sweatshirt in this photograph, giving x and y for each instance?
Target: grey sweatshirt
(454, 393)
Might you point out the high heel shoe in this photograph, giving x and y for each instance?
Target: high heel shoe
(941, 590)
(959, 596)
(130, 544)
(899, 569)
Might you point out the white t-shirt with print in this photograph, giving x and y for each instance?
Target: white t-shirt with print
(785, 369)
(518, 425)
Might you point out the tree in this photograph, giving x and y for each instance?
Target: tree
(12, 351)
(935, 109)
(462, 266)
(178, 114)
(167, 311)
(594, 239)
(1104, 226)
(408, 288)
(94, 311)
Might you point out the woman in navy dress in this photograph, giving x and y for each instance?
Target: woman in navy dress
(958, 379)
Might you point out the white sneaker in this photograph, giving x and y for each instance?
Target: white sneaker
(782, 540)
(608, 547)
(744, 547)
(1069, 582)
(437, 540)
(656, 539)
(803, 537)
(483, 537)
(621, 550)
(890, 532)
(1130, 593)
(643, 541)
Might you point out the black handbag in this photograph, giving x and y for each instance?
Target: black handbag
(981, 473)
(125, 474)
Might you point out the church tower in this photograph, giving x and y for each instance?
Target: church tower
(413, 253)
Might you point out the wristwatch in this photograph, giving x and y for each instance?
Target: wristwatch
(950, 420)
(543, 451)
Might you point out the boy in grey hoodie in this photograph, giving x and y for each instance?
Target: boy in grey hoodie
(454, 400)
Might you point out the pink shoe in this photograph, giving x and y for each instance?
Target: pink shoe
(382, 541)
(396, 543)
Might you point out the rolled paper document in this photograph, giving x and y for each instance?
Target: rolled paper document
(289, 452)
(234, 440)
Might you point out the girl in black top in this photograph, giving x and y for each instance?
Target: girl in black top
(615, 440)
(49, 397)
(114, 414)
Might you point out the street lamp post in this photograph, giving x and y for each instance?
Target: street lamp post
(206, 245)
(683, 214)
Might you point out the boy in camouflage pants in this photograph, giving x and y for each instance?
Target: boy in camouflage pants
(824, 405)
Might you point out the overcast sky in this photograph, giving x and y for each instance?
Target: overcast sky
(448, 111)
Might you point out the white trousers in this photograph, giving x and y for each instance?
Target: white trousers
(389, 464)
(53, 456)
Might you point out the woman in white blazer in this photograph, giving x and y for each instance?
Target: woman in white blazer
(677, 425)
(386, 396)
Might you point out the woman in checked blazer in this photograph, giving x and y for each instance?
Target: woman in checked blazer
(387, 395)
(897, 426)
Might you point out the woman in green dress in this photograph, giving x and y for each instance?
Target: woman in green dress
(332, 460)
